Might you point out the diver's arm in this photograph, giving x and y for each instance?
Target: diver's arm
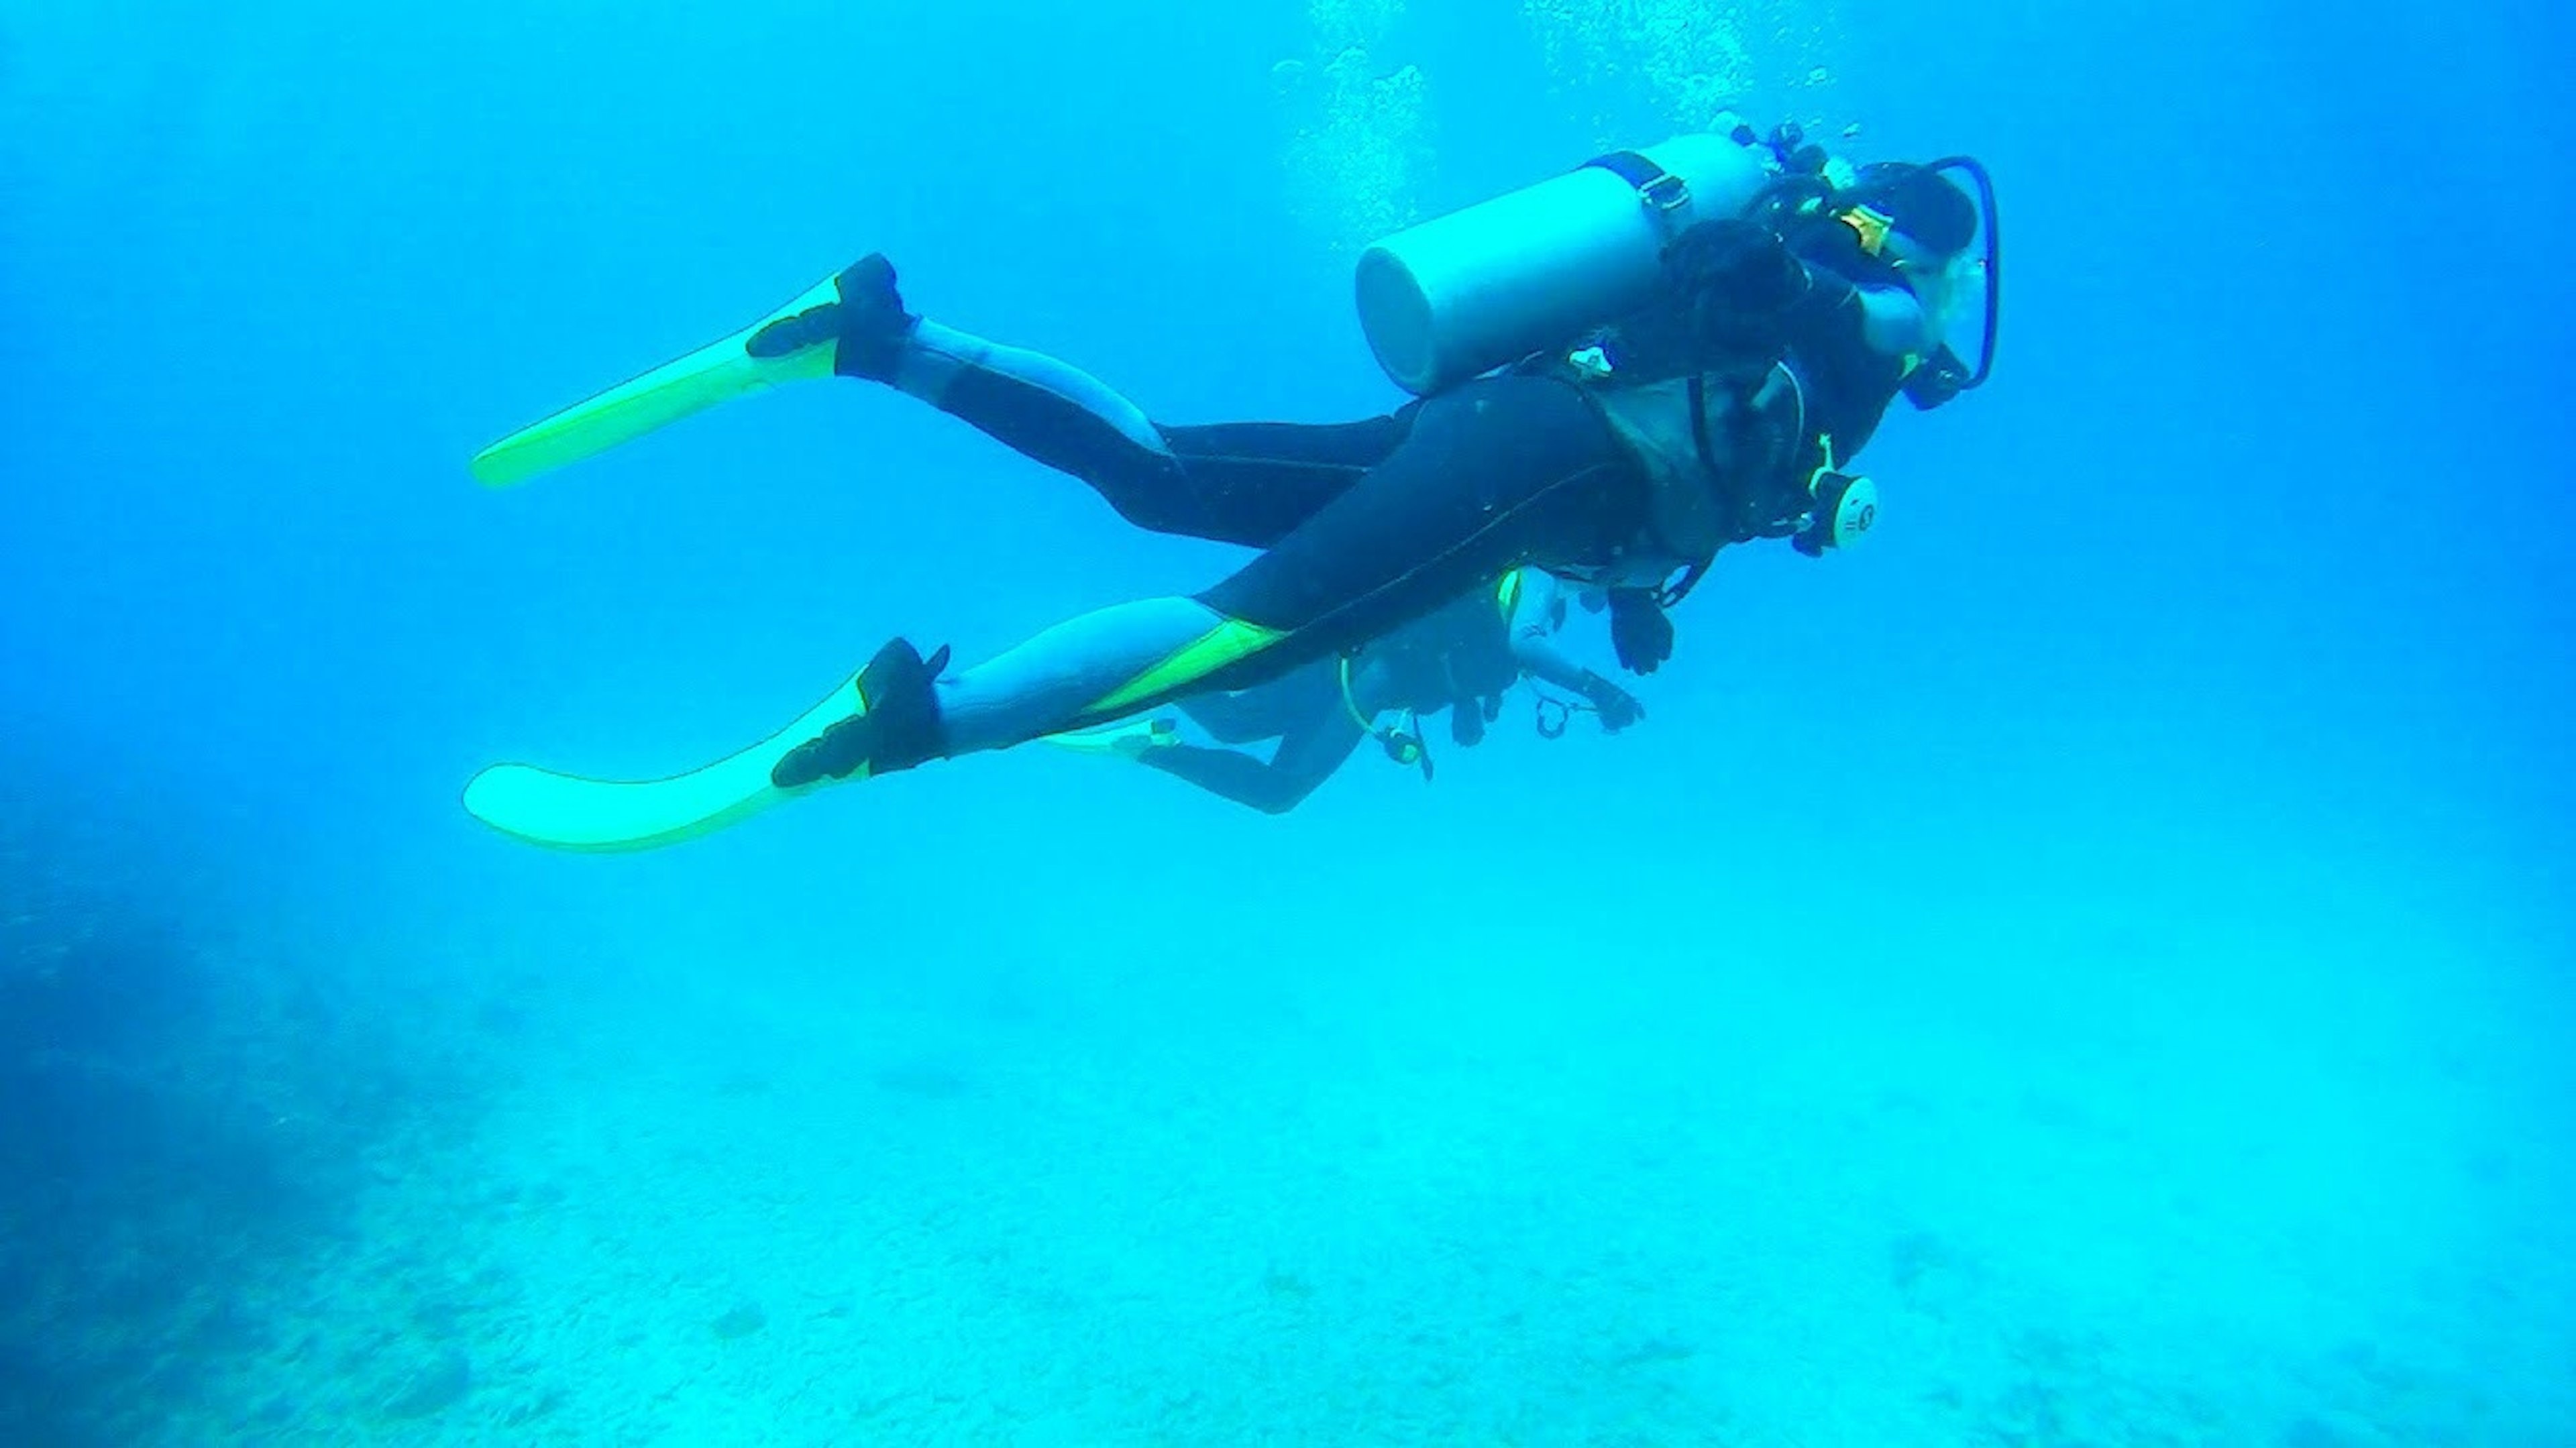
(1841, 280)
(1537, 617)
(1537, 614)
(1310, 750)
(1893, 322)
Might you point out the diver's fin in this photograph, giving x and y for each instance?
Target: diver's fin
(1131, 740)
(801, 341)
(884, 720)
(566, 812)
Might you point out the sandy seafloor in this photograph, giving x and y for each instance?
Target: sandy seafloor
(1118, 1208)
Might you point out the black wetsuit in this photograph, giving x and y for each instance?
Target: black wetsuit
(1363, 527)
(1365, 522)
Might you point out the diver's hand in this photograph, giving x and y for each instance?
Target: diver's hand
(1617, 707)
(1741, 281)
(1750, 263)
(1639, 630)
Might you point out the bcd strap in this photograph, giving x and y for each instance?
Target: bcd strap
(1403, 744)
(1664, 194)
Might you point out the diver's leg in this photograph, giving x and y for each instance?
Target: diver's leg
(1309, 753)
(1500, 474)
(1265, 711)
(1243, 483)
(1238, 483)
(1316, 728)
(1255, 483)
(1246, 483)
(1093, 670)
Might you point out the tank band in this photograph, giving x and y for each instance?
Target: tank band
(1664, 194)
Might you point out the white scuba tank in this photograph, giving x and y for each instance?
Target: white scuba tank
(1465, 293)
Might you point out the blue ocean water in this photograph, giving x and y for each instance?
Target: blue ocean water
(2087, 968)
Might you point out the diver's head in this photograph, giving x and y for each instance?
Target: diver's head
(1927, 219)
(1924, 223)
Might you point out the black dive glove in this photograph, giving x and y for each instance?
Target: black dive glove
(1639, 631)
(1467, 723)
(1617, 707)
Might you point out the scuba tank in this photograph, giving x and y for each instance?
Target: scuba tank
(1462, 294)
(1535, 269)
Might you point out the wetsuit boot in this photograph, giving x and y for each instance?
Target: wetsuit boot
(897, 725)
(866, 327)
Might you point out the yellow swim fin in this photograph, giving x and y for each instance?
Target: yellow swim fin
(566, 812)
(800, 352)
(882, 720)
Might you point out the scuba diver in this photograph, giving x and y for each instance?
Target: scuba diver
(1462, 658)
(1617, 373)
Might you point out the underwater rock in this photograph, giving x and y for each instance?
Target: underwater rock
(1283, 1284)
(431, 1386)
(930, 1080)
(2331, 1428)
(2310, 1432)
(1913, 1254)
(530, 1410)
(739, 1321)
(1655, 1350)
